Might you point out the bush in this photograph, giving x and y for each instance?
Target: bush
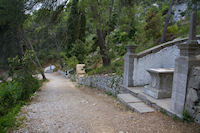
(153, 24)
(71, 62)
(8, 120)
(10, 94)
(15, 93)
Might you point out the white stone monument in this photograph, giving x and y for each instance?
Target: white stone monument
(80, 70)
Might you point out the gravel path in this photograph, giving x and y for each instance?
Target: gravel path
(63, 107)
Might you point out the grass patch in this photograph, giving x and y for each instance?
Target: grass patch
(108, 93)
(187, 117)
(115, 67)
(163, 111)
(175, 117)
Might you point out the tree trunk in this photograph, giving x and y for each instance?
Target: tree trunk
(19, 44)
(105, 58)
(109, 20)
(101, 40)
(59, 51)
(167, 22)
(36, 58)
(110, 15)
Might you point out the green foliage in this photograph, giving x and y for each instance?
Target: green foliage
(109, 93)
(127, 23)
(187, 117)
(22, 67)
(175, 117)
(75, 26)
(173, 29)
(115, 67)
(12, 12)
(79, 50)
(14, 93)
(12, 97)
(71, 62)
(10, 94)
(7, 121)
(153, 24)
(11, 18)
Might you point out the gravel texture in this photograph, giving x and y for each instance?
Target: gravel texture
(63, 107)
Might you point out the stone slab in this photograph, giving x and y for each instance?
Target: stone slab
(159, 104)
(141, 108)
(128, 98)
(158, 94)
(162, 70)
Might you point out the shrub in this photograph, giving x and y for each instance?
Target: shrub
(187, 117)
(10, 93)
(71, 62)
(173, 29)
(8, 120)
(15, 93)
(153, 24)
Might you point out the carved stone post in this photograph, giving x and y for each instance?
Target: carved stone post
(183, 64)
(129, 66)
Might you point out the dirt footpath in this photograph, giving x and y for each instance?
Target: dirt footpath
(63, 107)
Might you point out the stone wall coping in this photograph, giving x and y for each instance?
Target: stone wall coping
(161, 70)
(162, 46)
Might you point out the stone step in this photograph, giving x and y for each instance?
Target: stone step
(140, 107)
(134, 103)
(128, 98)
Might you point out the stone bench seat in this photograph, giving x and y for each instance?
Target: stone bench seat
(161, 83)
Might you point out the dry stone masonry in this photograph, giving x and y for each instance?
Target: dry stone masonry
(193, 94)
(107, 83)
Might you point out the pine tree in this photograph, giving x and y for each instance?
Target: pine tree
(72, 26)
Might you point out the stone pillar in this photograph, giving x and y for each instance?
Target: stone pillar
(129, 66)
(183, 65)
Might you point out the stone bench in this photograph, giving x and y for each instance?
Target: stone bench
(161, 83)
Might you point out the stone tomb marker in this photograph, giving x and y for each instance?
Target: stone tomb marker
(80, 70)
(161, 83)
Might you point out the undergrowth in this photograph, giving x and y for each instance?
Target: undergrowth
(13, 95)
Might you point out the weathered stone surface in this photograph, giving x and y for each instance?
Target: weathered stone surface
(80, 69)
(182, 74)
(161, 83)
(193, 94)
(128, 98)
(141, 107)
(129, 66)
(158, 94)
(108, 83)
(197, 118)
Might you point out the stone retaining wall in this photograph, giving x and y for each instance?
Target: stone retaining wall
(106, 83)
(193, 94)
